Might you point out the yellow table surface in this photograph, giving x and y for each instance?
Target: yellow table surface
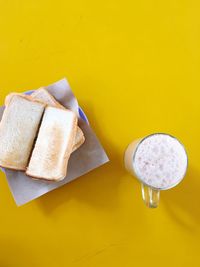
(135, 68)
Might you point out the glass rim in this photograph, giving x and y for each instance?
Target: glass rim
(138, 176)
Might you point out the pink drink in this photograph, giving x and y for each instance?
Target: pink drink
(159, 161)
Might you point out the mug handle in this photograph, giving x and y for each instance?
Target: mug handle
(150, 196)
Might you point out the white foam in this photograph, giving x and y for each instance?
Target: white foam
(160, 161)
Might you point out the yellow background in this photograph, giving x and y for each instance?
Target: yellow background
(135, 68)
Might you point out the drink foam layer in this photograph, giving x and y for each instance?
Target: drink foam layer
(160, 161)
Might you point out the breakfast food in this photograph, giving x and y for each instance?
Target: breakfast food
(53, 145)
(18, 130)
(43, 95)
(38, 135)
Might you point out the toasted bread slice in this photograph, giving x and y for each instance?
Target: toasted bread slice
(43, 95)
(18, 130)
(53, 146)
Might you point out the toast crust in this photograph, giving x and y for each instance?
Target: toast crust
(9, 167)
(9, 98)
(40, 94)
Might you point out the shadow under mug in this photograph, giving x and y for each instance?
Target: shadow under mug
(150, 194)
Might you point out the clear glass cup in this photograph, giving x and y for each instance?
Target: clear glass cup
(150, 194)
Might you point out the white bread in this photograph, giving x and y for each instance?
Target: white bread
(53, 146)
(43, 95)
(18, 130)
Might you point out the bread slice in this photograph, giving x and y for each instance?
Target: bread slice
(43, 95)
(53, 146)
(18, 130)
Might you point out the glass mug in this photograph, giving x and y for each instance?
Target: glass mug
(159, 161)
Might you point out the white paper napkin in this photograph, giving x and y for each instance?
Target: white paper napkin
(88, 157)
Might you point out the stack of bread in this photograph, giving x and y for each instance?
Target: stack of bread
(38, 135)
